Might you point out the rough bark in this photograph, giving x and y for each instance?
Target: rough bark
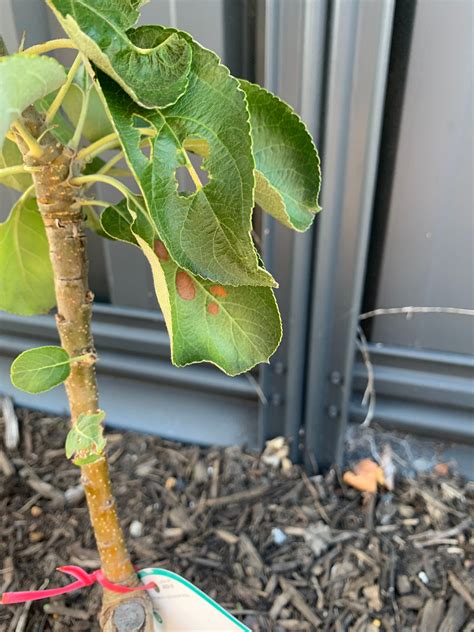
(64, 224)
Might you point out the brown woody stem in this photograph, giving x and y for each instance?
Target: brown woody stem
(64, 224)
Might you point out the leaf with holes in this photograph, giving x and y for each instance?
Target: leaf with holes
(97, 123)
(24, 79)
(234, 328)
(26, 276)
(85, 441)
(207, 232)
(41, 369)
(288, 175)
(154, 76)
(10, 156)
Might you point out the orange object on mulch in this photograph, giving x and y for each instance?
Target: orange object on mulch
(365, 477)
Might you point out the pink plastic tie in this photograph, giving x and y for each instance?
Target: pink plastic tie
(83, 579)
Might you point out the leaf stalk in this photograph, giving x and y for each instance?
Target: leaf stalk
(76, 139)
(11, 171)
(110, 141)
(59, 98)
(34, 147)
(96, 177)
(46, 47)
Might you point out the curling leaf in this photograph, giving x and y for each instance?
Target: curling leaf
(24, 79)
(154, 76)
(288, 175)
(26, 276)
(207, 232)
(85, 441)
(234, 328)
(40, 369)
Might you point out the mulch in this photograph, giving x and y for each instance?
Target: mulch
(278, 548)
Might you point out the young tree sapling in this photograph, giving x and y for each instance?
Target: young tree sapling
(156, 97)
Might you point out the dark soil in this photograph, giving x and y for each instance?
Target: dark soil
(278, 549)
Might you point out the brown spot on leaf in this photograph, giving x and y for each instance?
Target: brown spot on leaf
(185, 286)
(213, 308)
(160, 250)
(218, 290)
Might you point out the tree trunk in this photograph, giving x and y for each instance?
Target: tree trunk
(64, 224)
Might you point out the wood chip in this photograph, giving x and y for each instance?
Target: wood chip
(238, 497)
(372, 595)
(248, 550)
(12, 429)
(300, 604)
(72, 613)
(278, 604)
(460, 588)
(6, 465)
(226, 536)
(431, 615)
(455, 616)
(179, 517)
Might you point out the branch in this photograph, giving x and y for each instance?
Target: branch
(416, 310)
(369, 393)
(362, 345)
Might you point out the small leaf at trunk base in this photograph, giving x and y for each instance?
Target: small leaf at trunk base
(26, 275)
(86, 439)
(154, 75)
(23, 80)
(41, 369)
(288, 175)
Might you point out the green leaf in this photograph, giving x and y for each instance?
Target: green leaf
(288, 174)
(234, 328)
(41, 369)
(155, 74)
(97, 123)
(59, 127)
(26, 276)
(86, 439)
(10, 156)
(23, 80)
(207, 232)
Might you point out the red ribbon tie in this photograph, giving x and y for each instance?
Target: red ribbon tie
(83, 579)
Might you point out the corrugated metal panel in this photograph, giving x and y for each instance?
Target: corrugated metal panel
(426, 392)
(360, 35)
(292, 66)
(428, 258)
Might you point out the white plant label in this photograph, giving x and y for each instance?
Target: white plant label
(179, 606)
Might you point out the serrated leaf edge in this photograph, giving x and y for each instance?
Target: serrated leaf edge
(240, 90)
(301, 122)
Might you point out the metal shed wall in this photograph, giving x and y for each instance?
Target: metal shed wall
(384, 94)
